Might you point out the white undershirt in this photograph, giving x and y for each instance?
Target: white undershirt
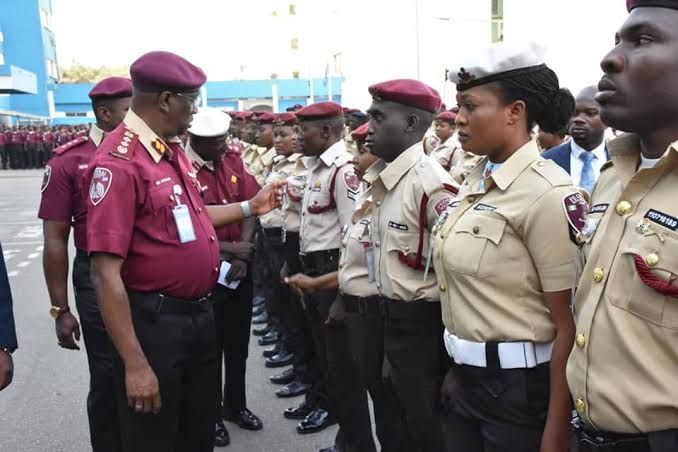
(646, 163)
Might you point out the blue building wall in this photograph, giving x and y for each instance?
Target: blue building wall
(72, 103)
(27, 44)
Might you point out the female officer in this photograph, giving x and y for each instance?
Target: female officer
(503, 257)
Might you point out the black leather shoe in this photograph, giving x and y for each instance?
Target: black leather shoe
(270, 339)
(277, 348)
(263, 331)
(260, 319)
(222, 437)
(298, 412)
(258, 310)
(318, 420)
(296, 388)
(283, 378)
(258, 301)
(245, 419)
(282, 359)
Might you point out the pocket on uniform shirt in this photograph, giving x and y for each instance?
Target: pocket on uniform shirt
(638, 298)
(161, 201)
(476, 234)
(403, 244)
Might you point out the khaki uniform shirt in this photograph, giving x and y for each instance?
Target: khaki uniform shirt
(249, 153)
(262, 164)
(295, 194)
(461, 164)
(503, 246)
(410, 189)
(446, 151)
(322, 230)
(283, 167)
(623, 367)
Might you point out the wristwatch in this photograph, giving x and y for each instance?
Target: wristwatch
(56, 311)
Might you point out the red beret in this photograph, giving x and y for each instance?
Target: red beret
(160, 71)
(408, 92)
(265, 117)
(671, 4)
(320, 110)
(232, 114)
(455, 110)
(448, 116)
(285, 119)
(244, 115)
(112, 87)
(360, 133)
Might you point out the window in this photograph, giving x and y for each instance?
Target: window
(52, 69)
(497, 20)
(294, 44)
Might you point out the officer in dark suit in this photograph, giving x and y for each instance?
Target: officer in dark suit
(7, 333)
(584, 155)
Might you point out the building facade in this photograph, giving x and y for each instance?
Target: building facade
(29, 70)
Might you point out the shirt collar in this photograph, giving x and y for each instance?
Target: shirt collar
(330, 155)
(625, 153)
(395, 170)
(96, 135)
(155, 145)
(598, 152)
(509, 171)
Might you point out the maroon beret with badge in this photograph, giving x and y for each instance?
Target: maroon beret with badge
(447, 116)
(632, 4)
(360, 133)
(265, 118)
(111, 88)
(285, 119)
(412, 93)
(320, 110)
(164, 71)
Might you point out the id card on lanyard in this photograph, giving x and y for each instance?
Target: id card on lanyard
(182, 218)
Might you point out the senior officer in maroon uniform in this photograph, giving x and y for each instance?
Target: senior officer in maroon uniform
(155, 259)
(64, 204)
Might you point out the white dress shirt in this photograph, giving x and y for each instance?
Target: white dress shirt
(577, 164)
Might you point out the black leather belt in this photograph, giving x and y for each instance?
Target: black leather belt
(420, 309)
(320, 262)
(600, 441)
(361, 305)
(166, 304)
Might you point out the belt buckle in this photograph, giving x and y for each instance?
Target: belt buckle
(530, 354)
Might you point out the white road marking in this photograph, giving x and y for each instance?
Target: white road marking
(23, 264)
(13, 273)
(33, 255)
(34, 242)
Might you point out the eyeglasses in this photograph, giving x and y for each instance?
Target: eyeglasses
(195, 101)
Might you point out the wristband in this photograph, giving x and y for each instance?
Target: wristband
(246, 209)
(6, 350)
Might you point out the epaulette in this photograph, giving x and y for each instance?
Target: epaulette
(70, 145)
(293, 157)
(342, 159)
(432, 176)
(549, 170)
(125, 147)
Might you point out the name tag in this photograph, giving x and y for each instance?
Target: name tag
(599, 208)
(182, 218)
(662, 219)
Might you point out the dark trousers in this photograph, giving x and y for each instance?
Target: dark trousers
(182, 351)
(4, 155)
(102, 410)
(31, 155)
(342, 393)
(413, 345)
(47, 149)
(260, 276)
(233, 316)
(271, 252)
(365, 327)
(497, 410)
(16, 155)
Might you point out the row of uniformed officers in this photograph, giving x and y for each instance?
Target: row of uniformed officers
(441, 284)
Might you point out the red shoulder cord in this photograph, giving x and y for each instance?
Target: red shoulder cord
(651, 280)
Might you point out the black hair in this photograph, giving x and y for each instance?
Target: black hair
(104, 102)
(547, 104)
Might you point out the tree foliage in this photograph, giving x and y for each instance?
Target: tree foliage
(81, 73)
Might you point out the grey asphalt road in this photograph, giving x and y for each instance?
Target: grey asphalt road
(44, 408)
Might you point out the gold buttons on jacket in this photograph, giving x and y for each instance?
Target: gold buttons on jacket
(652, 259)
(598, 274)
(471, 199)
(580, 406)
(623, 207)
(581, 340)
(476, 229)
(442, 287)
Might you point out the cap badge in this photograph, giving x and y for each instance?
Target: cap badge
(465, 76)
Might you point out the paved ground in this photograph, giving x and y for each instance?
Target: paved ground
(44, 408)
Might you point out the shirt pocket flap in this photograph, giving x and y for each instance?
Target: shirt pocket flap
(482, 226)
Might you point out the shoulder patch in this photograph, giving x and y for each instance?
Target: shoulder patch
(101, 182)
(46, 176)
(576, 210)
(124, 148)
(70, 145)
(351, 180)
(554, 174)
(442, 205)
